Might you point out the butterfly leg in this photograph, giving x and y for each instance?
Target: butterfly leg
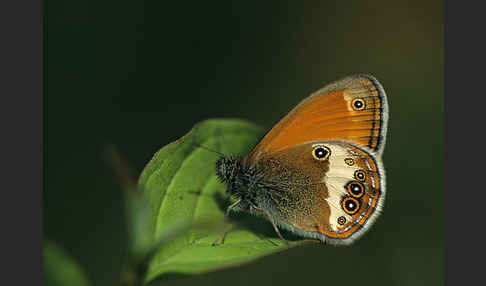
(223, 230)
(273, 223)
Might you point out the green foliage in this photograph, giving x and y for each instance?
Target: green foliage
(188, 204)
(60, 268)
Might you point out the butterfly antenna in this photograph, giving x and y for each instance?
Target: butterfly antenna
(194, 142)
(209, 149)
(224, 141)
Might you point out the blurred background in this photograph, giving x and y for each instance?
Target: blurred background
(140, 74)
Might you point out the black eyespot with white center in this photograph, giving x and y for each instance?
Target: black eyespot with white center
(360, 175)
(350, 205)
(355, 189)
(321, 152)
(341, 220)
(358, 104)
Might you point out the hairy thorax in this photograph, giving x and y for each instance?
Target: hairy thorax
(271, 184)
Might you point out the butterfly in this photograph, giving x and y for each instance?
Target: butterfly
(318, 172)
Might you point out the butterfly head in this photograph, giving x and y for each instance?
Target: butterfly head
(227, 168)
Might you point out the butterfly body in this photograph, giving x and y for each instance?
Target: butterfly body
(318, 172)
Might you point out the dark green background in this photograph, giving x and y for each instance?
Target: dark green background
(139, 74)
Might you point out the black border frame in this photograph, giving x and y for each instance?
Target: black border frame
(22, 140)
(463, 164)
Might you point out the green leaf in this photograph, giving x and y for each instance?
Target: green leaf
(184, 193)
(138, 215)
(60, 268)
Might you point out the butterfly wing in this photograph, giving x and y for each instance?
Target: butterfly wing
(352, 109)
(334, 199)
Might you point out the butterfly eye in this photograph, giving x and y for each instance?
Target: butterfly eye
(360, 175)
(321, 153)
(355, 189)
(358, 104)
(350, 205)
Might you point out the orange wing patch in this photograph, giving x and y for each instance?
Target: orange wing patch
(352, 109)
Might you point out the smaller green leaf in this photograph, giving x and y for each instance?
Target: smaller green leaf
(139, 214)
(183, 191)
(60, 268)
(136, 205)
